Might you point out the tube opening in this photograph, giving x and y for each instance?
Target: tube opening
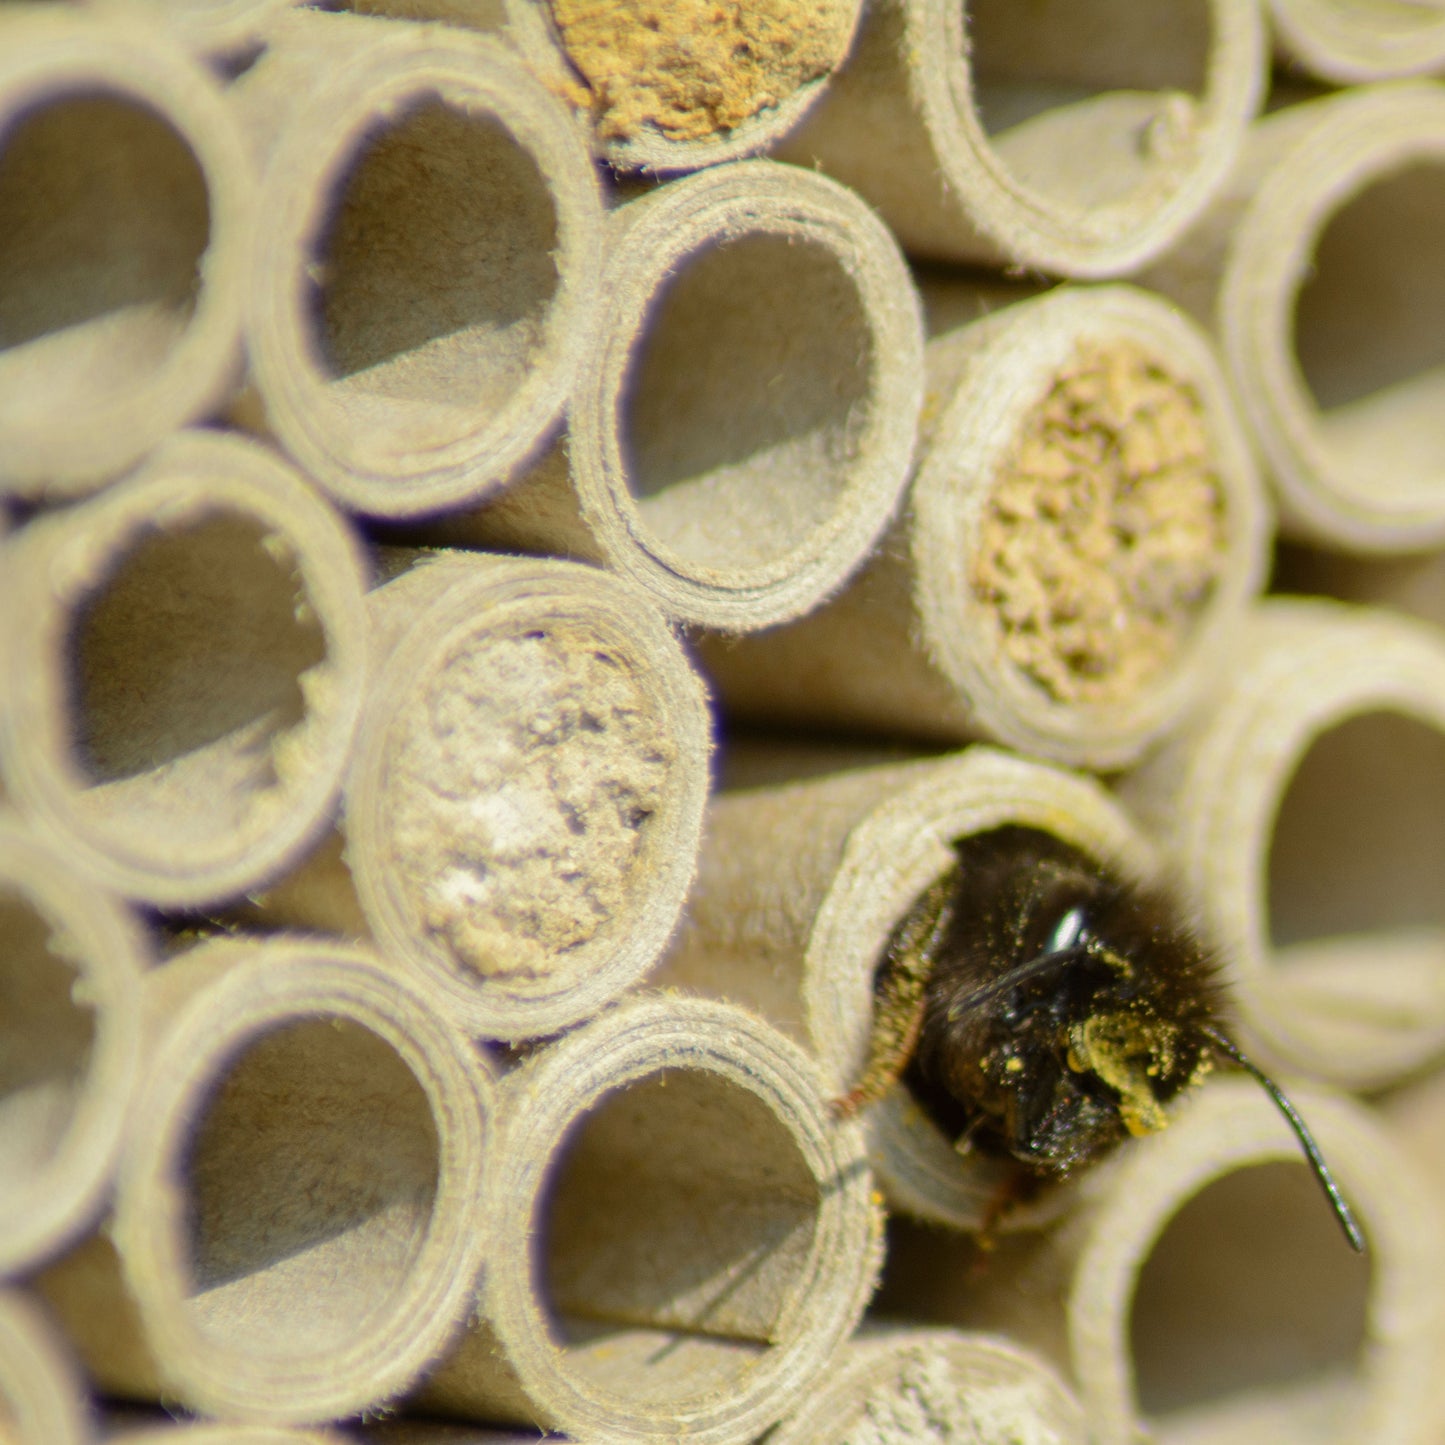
(1369, 330)
(1249, 1290)
(106, 220)
(677, 1231)
(1359, 837)
(311, 1180)
(1088, 101)
(746, 402)
(437, 274)
(187, 670)
(526, 780)
(47, 1036)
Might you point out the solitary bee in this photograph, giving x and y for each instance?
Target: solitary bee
(1041, 1008)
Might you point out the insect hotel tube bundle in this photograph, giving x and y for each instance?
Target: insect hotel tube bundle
(1198, 1290)
(897, 1384)
(413, 357)
(467, 1146)
(525, 798)
(742, 426)
(1316, 268)
(706, 1232)
(293, 1236)
(41, 1393)
(1301, 810)
(120, 295)
(1360, 40)
(188, 651)
(70, 1034)
(1083, 530)
(1067, 139)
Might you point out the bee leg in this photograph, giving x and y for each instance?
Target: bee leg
(1017, 1187)
(901, 994)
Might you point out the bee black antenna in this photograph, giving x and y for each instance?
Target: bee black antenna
(1343, 1213)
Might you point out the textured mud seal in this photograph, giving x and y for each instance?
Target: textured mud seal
(1106, 530)
(521, 798)
(692, 69)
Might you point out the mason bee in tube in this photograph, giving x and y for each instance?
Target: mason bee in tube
(1043, 1009)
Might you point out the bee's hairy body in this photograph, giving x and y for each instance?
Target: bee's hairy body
(1057, 1069)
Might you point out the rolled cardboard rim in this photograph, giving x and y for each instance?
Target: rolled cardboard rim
(191, 649)
(41, 1397)
(567, 804)
(217, 30)
(899, 1383)
(735, 488)
(124, 305)
(1326, 312)
(218, 1432)
(1361, 40)
(724, 1357)
(1090, 169)
(1026, 348)
(378, 1291)
(439, 362)
(72, 1037)
(1386, 1392)
(1298, 811)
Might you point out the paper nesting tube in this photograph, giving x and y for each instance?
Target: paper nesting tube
(1203, 1292)
(1414, 1115)
(743, 425)
(1413, 583)
(800, 888)
(186, 654)
(297, 1230)
(897, 1386)
(1318, 270)
(1076, 138)
(128, 202)
(524, 806)
(435, 1432)
(218, 1432)
(684, 1236)
(428, 267)
(1305, 810)
(220, 30)
(1349, 41)
(41, 1398)
(1083, 533)
(70, 1034)
(689, 83)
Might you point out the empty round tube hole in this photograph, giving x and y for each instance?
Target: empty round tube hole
(106, 219)
(436, 272)
(746, 400)
(1248, 1288)
(1369, 327)
(1359, 837)
(677, 1227)
(311, 1180)
(1033, 65)
(188, 660)
(47, 1035)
